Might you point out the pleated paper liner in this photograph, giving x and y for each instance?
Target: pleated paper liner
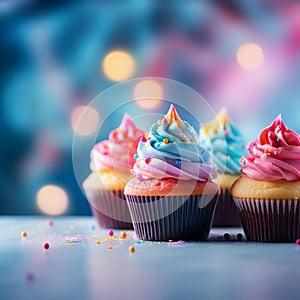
(109, 208)
(226, 214)
(166, 218)
(274, 220)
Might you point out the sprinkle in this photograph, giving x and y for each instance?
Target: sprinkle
(93, 227)
(170, 241)
(130, 144)
(147, 136)
(226, 236)
(46, 246)
(115, 134)
(278, 140)
(29, 276)
(239, 236)
(226, 132)
(97, 242)
(131, 249)
(123, 235)
(147, 160)
(50, 223)
(136, 156)
(177, 163)
(143, 139)
(110, 247)
(166, 141)
(298, 242)
(267, 152)
(177, 243)
(24, 233)
(110, 233)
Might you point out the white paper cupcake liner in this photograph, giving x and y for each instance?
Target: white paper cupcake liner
(270, 220)
(172, 217)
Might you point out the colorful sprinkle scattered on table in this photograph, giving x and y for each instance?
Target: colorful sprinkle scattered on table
(123, 235)
(29, 276)
(239, 236)
(131, 249)
(226, 236)
(46, 246)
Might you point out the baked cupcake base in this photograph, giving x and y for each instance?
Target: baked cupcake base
(270, 220)
(109, 208)
(163, 218)
(226, 214)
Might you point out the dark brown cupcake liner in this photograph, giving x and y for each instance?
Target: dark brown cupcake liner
(109, 208)
(270, 220)
(226, 214)
(166, 218)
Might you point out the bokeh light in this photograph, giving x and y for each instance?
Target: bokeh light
(84, 120)
(118, 66)
(148, 94)
(250, 57)
(52, 200)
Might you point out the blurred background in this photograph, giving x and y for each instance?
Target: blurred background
(56, 56)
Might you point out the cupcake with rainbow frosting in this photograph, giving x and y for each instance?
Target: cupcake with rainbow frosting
(227, 144)
(111, 161)
(172, 196)
(268, 193)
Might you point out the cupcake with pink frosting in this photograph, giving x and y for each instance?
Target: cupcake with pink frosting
(110, 164)
(172, 196)
(268, 192)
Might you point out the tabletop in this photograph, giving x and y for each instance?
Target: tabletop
(85, 262)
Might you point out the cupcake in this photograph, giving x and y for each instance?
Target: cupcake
(267, 194)
(110, 165)
(227, 145)
(172, 196)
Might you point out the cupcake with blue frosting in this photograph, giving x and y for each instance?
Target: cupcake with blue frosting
(227, 145)
(172, 196)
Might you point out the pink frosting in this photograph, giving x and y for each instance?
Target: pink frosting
(275, 155)
(117, 152)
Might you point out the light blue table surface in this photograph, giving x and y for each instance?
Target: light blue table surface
(75, 267)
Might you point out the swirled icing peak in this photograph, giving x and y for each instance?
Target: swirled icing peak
(225, 141)
(115, 153)
(170, 150)
(275, 155)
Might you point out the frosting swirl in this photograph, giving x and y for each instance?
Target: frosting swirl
(170, 150)
(225, 141)
(275, 155)
(115, 152)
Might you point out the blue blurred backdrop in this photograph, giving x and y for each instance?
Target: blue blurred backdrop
(56, 56)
